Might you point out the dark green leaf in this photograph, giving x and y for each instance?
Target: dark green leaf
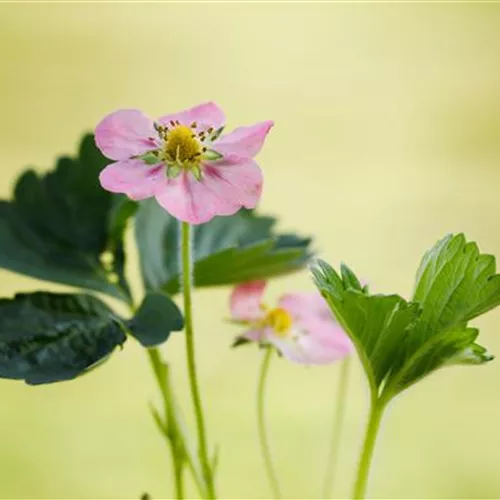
(59, 226)
(227, 250)
(155, 319)
(48, 337)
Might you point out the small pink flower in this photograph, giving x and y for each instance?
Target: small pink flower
(301, 327)
(183, 160)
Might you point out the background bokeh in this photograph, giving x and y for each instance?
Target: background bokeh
(387, 137)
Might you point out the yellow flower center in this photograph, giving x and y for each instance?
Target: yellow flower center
(182, 146)
(280, 320)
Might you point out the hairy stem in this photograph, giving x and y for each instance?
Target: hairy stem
(340, 406)
(261, 425)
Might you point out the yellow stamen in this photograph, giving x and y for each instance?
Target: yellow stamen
(280, 320)
(181, 146)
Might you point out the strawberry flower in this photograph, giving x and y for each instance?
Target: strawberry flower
(183, 160)
(301, 327)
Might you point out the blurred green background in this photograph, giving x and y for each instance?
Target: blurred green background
(387, 137)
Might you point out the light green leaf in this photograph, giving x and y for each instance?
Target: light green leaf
(401, 342)
(227, 250)
(48, 337)
(455, 283)
(349, 278)
(449, 347)
(59, 225)
(375, 323)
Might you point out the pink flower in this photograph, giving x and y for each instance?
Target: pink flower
(301, 327)
(183, 160)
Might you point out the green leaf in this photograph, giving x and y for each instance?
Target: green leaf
(376, 324)
(350, 278)
(227, 250)
(58, 226)
(48, 337)
(155, 319)
(455, 283)
(401, 342)
(449, 347)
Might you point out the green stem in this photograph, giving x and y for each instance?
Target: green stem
(340, 406)
(178, 477)
(172, 428)
(261, 426)
(377, 409)
(169, 427)
(191, 362)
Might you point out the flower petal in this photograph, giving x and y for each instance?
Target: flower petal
(314, 347)
(244, 141)
(306, 304)
(224, 188)
(134, 178)
(190, 201)
(326, 333)
(205, 115)
(245, 301)
(236, 179)
(125, 133)
(316, 338)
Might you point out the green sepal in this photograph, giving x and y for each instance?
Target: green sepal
(212, 155)
(239, 341)
(173, 171)
(150, 158)
(196, 171)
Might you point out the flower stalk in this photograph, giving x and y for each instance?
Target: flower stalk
(338, 424)
(187, 284)
(261, 425)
